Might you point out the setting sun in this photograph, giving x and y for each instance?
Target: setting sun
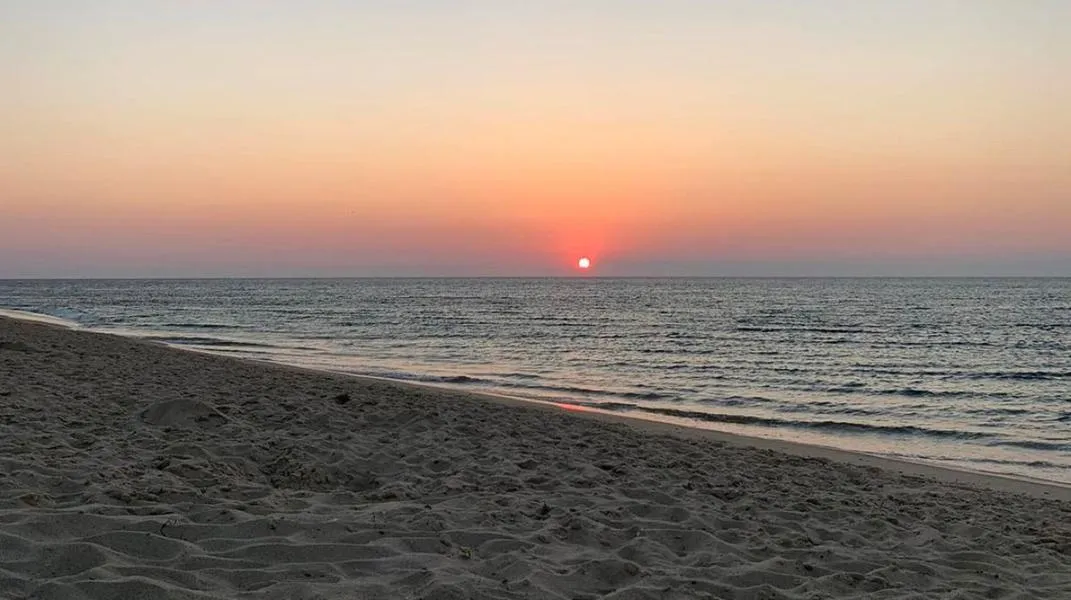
(584, 262)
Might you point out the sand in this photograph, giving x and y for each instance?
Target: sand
(132, 470)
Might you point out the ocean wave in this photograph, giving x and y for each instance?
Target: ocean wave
(482, 381)
(425, 378)
(522, 375)
(841, 330)
(69, 314)
(838, 426)
(1021, 375)
(456, 379)
(928, 343)
(527, 383)
(991, 411)
(1039, 464)
(907, 392)
(824, 407)
(553, 390)
(738, 401)
(398, 375)
(583, 391)
(1053, 446)
(209, 341)
(201, 326)
(1042, 464)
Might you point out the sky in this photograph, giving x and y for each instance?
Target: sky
(499, 137)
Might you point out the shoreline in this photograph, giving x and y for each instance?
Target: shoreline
(1035, 487)
(131, 468)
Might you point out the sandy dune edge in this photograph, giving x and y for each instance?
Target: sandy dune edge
(132, 470)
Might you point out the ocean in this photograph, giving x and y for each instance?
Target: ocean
(965, 373)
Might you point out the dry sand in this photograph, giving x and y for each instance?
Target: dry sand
(133, 470)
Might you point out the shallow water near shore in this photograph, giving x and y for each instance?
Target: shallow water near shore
(966, 373)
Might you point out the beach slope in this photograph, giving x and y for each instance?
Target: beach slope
(132, 470)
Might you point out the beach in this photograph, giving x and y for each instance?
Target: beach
(131, 469)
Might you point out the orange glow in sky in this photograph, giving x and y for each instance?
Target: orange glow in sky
(671, 138)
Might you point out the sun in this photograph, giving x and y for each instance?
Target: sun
(584, 262)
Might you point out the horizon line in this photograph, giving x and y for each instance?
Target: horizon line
(565, 277)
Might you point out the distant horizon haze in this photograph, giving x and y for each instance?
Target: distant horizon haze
(1057, 268)
(507, 138)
